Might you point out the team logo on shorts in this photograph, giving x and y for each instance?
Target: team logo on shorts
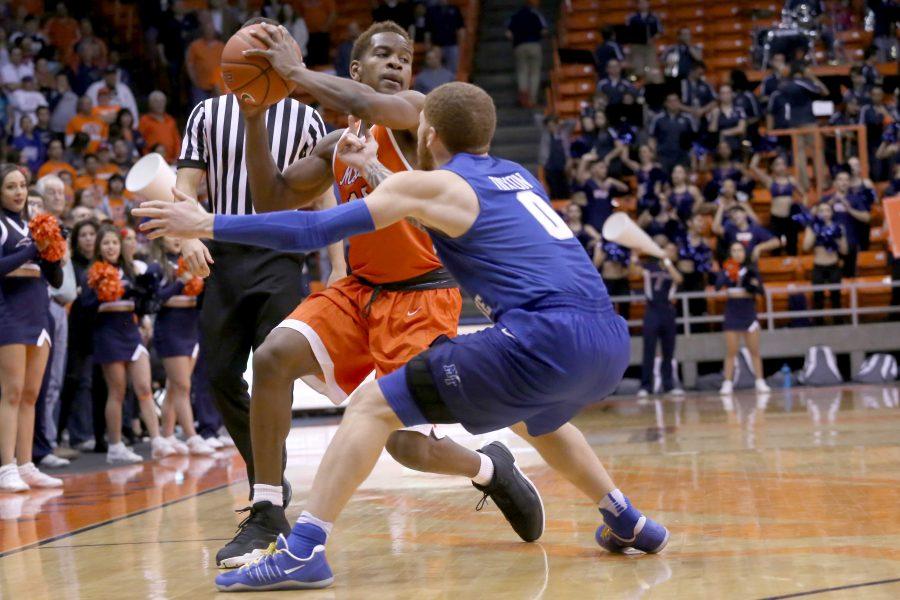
(451, 376)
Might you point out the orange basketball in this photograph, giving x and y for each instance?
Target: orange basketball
(252, 77)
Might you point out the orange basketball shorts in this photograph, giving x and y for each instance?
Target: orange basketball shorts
(351, 334)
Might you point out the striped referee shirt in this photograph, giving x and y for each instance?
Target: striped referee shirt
(215, 141)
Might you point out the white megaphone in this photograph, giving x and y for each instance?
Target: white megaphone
(620, 229)
(152, 178)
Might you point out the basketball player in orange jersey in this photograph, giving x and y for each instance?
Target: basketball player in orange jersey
(397, 301)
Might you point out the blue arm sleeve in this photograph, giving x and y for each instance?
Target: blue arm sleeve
(295, 231)
(16, 259)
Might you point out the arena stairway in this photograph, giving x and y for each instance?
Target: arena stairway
(518, 132)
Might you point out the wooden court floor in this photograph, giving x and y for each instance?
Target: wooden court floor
(789, 495)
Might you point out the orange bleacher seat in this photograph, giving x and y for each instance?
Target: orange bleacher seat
(872, 263)
(779, 268)
(879, 295)
(805, 266)
(581, 91)
(577, 71)
(584, 21)
(877, 238)
(586, 40)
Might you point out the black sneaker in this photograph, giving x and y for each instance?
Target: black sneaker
(258, 529)
(513, 493)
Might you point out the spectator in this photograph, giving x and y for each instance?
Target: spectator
(445, 27)
(828, 241)
(526, 29)
(320, 16)
(650, 177)
(727, 167)
(159, 127)
(63, 103)
(727, 122)
(296, 26)
(646, 28)
(680, 58)
(44, 76)
(799, 91)
(17, 69)
(178, 28)
(434, 74)
(661, 279)
(25, 101)
(125, 128)
(859, 88)
(695, 263)
(862, 194)
(847, 214)
(613, 86)
(98, 50)
(869, 67)
(684, 197)
(784, 190)
(417, 30)
(398, 11)
(55, 161)
(105, 110)
(42, 126)
(886, 13)
(672, 133)
(92, 180)
(119, 93)
(553, 154)
(607, 50)
(889, 149)
(588, 239)
(77, 149)
(30, 36)
(227, 17)
(85, 122)
(743, 283)
(599, 191)
(107, 168)
(115, 203)
(875, 116)
(344, 50)
(746, 100)
(697, 96)
(123, 156)
(28, 143)
(62, 31)
(770, 83)
(755, 238)
(204, 56)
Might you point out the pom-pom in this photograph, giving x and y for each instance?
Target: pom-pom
(194, 287)
(104, 279)
(733, 270)
(45, 232)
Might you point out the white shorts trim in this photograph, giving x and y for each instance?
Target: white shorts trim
(196, 351)
(330, 388)
(753, 327)
(141, 349)
(44, 338)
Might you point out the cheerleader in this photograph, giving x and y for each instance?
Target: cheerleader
(650, 176)
(861, 195)
(828, 242)
(175, 338)
(695, 264)
(743, 283)
(783, 189)
(24, 334)
(118, 347)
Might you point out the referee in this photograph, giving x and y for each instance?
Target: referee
(249, 289)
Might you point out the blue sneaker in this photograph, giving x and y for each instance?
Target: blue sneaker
(278, 569)
(649, 537)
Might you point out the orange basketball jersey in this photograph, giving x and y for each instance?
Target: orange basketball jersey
(396, 253)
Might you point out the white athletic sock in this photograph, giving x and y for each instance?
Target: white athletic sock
(485, 471)
(271, 493)
(614, 502)
(307, 517)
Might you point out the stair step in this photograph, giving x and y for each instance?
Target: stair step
(495, 80)
(517, 134)
(514, 117)
(520, 153)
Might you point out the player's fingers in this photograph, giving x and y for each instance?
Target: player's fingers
(353, 123)
(263, 35)
(147, 212)
(265, 53)
(207, 256)
(179, 195)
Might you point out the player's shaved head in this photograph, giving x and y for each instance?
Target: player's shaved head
(463, 116)
(364, 42)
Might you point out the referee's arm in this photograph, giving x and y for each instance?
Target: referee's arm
(191, 171)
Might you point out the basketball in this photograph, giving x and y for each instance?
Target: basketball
(252, 77)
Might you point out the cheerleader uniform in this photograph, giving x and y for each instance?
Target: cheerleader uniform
(683, 203)
(784, 227)
(116, 336)
(25, 316)
(861, 197)
(700, 257)
(176, 331)
(618, 287)
(740, 313)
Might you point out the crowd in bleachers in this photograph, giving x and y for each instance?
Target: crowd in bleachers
(701, 165)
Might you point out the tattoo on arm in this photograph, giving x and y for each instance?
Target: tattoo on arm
(375, 173)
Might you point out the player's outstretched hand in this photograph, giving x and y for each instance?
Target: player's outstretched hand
(280, 49)
(357, 147)
(183, 219)
(197, 257)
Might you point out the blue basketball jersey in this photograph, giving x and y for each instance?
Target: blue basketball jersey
(518, 251)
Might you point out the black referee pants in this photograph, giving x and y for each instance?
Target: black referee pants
(250, 291)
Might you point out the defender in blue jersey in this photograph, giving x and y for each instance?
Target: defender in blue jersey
(556, 345)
